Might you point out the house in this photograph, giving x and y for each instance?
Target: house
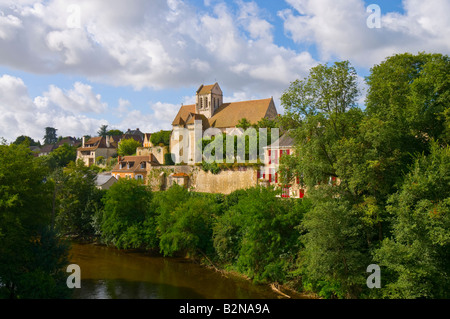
(134, 134)
(270, 174)
(47, 149)
(132, 167)
(210, 113)
(104, 181)
(147, 142)
(95, 147)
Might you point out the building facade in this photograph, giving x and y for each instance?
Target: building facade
(211, 114)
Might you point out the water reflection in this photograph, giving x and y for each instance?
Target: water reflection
(108, 273)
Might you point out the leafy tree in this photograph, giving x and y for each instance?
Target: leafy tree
(26, 139)
(161, 137)
(78, 200)
(188, 228)
(244, 124)
(415, 260)
(50, 136)
(114, 133)
(31, 255)
(128, 147)
(64, 154)
(128, 219)
(258, 234)
(103, 131)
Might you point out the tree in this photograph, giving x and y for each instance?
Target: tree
(320, 111)
(26, 139)
(32, 257)
(128, 147)
(161, 137)
(103, 131)
(128, 219)
(415, 259)
(78, 200)
(185, 224)
(50, 136)
(114, 133)
(63, 155)
(244, 124)
(258, 234)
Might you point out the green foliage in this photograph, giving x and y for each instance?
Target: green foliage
(63, 155)
(185, 222)
(27, 140)
(114, 133)
(161, 137)
(369, 152)
(103, 131)
(128, 218)
(31, 255)
(50, 136)
(128, 147)
(258, 234)
(168, 159)
(417, 255)
(78, 200)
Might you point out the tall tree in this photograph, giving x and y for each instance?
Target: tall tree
(103, 131)
(50, 136)
(32, 257)
(415, 259)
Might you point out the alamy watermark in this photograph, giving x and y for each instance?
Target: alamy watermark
(374, 19)
(74, 280)
(374, 280)
(249, 147)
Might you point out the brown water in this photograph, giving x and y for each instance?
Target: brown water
(107, 273)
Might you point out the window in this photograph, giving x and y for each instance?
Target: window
(143, 165)
(270, 158)
(285, 192)
(139, 177)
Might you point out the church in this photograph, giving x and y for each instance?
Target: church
(210, 113)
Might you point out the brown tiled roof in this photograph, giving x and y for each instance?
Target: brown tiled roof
(193, 117)
(183, 114)
(96, 142)
(205, 89)
(135, 164)
(229, 114)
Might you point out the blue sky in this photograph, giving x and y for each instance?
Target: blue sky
(131, 64)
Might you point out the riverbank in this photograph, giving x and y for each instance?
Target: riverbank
(278, 291)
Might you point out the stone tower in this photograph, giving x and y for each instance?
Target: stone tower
(208, 99)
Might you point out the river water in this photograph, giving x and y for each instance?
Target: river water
(108, 273)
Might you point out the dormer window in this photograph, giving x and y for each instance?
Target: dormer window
(143, 165)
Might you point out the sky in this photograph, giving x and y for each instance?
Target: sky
(77, 65)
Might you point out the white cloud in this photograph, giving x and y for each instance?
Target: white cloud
(156, 44)
(22, 115)
(339, 29)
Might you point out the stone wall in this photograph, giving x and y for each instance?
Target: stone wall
(225, 182)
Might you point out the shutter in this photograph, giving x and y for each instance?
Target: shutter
(301, 193)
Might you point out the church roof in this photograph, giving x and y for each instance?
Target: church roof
(183, 114)
(229, 114)
(205, 89)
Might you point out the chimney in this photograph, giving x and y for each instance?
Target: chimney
(108, 141)
(83, 141)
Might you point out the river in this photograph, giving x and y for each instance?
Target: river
(108, 273)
